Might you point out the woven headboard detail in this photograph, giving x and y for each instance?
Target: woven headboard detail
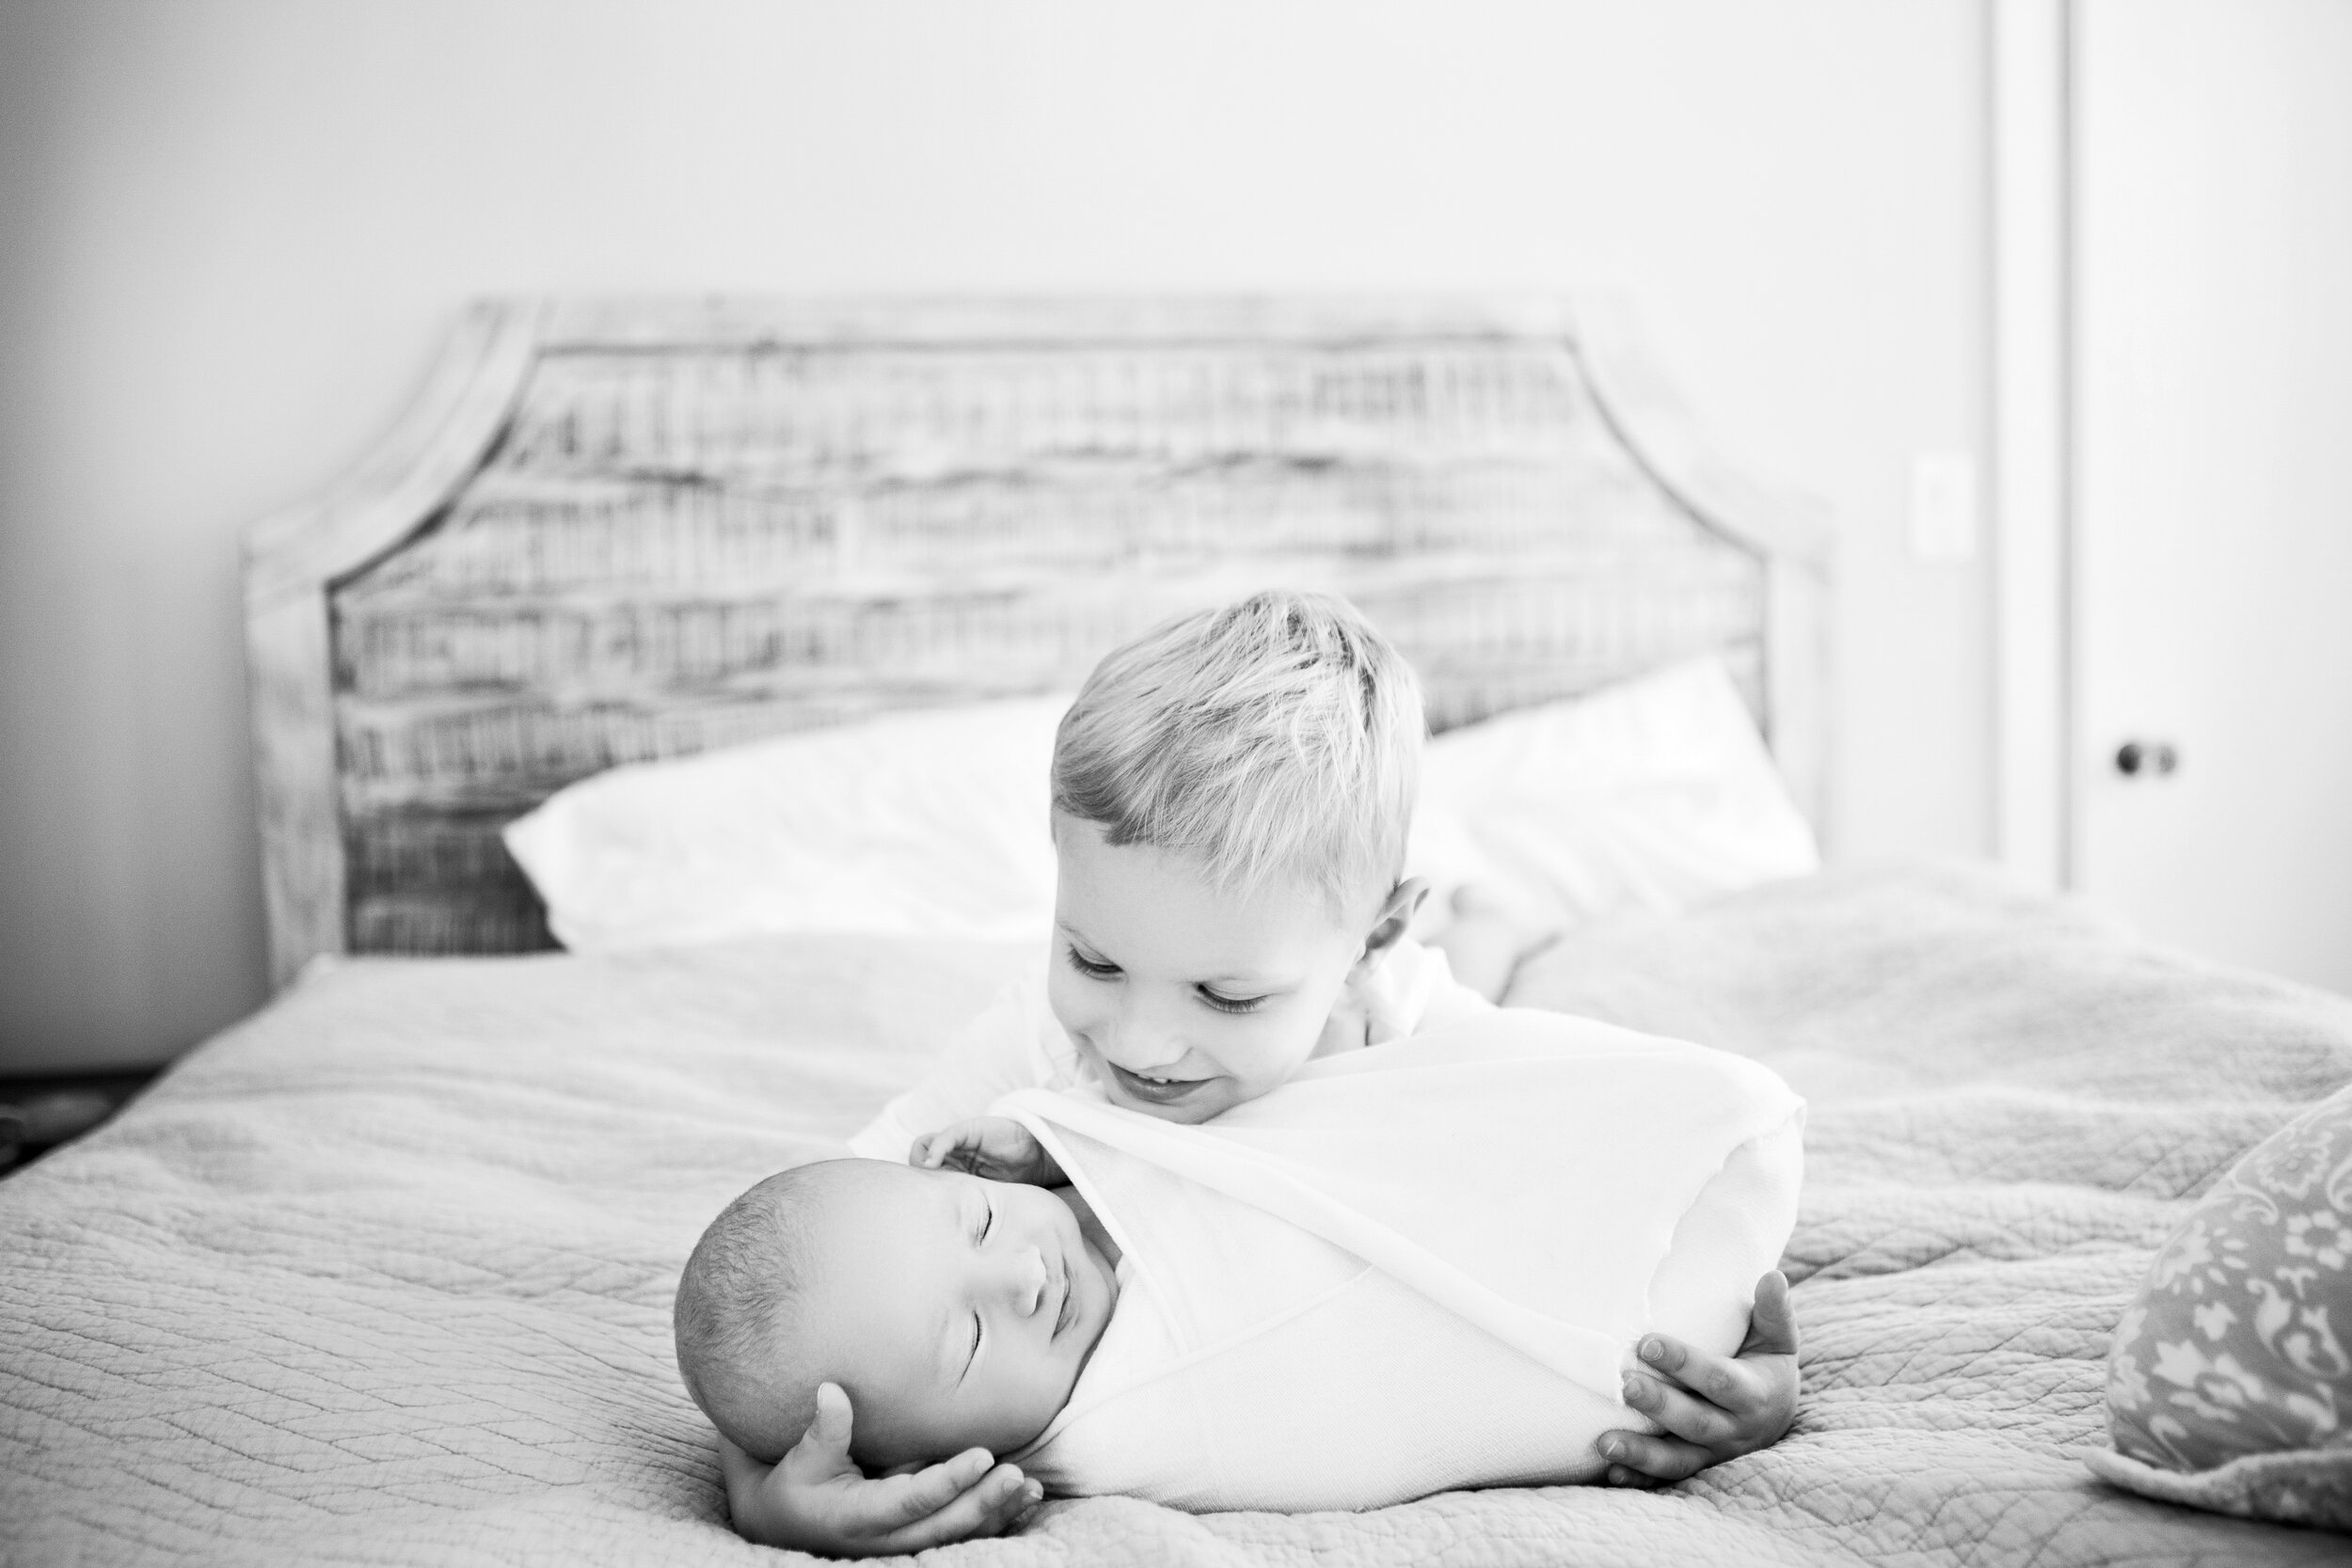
(686, 526)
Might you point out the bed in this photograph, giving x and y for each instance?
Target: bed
(383, 1274)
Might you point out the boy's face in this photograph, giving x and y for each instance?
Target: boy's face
(955, 1313)
(1189, 999)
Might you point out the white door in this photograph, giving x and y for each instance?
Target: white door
(2212, 451)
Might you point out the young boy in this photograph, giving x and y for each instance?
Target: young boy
(1231, 796)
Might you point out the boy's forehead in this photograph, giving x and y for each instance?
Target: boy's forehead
(1140, 893)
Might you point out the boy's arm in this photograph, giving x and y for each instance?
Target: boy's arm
(997, 1148)
(998, 1054)
(1712, 1408)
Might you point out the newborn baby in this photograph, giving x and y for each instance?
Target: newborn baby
(956, 1312)
(1417, 1266)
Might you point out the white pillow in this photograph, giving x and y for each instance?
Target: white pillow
(923, 823)
(1646, 796)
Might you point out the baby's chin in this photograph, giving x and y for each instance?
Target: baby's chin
(1104, 1300)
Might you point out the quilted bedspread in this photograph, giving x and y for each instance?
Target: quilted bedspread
(383, 1274)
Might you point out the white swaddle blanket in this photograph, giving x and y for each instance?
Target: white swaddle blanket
(1417, 1266)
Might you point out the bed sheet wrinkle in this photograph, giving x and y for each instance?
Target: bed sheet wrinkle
(382, 1276)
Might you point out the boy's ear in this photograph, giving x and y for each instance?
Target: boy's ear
(1394, 919)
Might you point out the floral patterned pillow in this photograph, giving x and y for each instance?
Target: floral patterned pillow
(2235, 1363)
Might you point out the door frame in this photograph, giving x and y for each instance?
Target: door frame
(2031, 121)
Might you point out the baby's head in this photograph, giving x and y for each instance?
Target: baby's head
(1232, 795)
(954, 1311)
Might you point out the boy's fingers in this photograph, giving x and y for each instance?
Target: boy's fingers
(1678, 1412)
(1663, 1351)
(740, 1469)
(1001, 1496)
(1772, 1322)
(1018, 1505)
(910, 1499)
(823, 1451)
(1712, 1378)
(1636, 1459)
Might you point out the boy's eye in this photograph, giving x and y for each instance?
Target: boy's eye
(988, 1219)
(1224, 1004)
(976, 1345)
(1092, 968)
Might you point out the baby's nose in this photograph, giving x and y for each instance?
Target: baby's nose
(1025, 1280)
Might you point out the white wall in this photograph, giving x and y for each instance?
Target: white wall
(235, 231)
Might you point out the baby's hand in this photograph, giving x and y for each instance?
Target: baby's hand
(997, 1148)
(816, 1498)
(1712, 1409)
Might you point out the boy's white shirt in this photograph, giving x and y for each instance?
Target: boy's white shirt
(1017, 1044)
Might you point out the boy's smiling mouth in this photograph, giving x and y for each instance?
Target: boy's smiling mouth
(1159, 1091)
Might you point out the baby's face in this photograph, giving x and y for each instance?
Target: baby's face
(1187, 997)
(956, 1312)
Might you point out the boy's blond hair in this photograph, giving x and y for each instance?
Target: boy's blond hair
(1278, 737)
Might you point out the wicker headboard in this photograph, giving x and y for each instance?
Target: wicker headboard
(614, 531)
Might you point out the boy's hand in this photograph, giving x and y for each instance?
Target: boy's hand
(816, 1498)
(1712, 1409)
(997, 1148)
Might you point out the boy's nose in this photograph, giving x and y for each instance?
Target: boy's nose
(1141, 1042)
(1145, 1055)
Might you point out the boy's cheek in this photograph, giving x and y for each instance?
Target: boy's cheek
(1265, 1058)
(1068, 1007)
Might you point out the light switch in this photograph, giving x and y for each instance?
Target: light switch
(1943, 507)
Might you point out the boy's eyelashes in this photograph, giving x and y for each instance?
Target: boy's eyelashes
(1229, 1003)
(1096, 968)
(1092, 968)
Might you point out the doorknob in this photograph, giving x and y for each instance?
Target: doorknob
(2134, 758)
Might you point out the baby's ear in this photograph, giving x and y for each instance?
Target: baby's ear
(1395, 917)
